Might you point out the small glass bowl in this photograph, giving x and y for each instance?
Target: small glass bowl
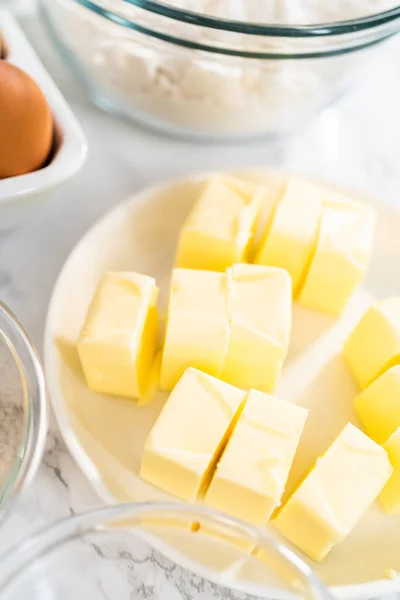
(23, 411)
(198, 76)
(152, 550)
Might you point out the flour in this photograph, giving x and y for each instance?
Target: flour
(199, 92)
(286, 12)
(12, 414)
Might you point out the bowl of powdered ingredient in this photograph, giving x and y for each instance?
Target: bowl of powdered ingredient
(23, 411)
(220, 69)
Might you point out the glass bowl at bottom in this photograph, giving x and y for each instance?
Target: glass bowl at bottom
(157, 551)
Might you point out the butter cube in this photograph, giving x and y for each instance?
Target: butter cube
(252, 473)
(118, 341)
(260, 324)
(291, 236)
(374, 345)
(190, 433)
(197, 331)
(220, 228)
(335, 494)
(378, 406)
(341, 257)
(390, 496)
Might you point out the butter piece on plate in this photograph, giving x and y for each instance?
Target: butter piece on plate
(190, 433)
(221, 226)
(335, 494)
(251, 476)
(118, 342)
(390, 496)
(291, 235)
(378, 406)
(260, 310)
(197, 331)
(374, 345)
(342, 254)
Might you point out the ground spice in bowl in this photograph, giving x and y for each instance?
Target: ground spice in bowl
(13, 417)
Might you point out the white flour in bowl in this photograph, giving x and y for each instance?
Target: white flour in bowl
(286, 12)
(198, 92)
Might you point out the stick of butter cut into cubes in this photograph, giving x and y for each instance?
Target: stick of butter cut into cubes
(233, 325)
(119, 338)
(260, 317)
(390, 496)
(220, 228)
(251, 476)
(378, 406)
(335, 494)
(374, 345)
(197, 330)
(290, 237)
(190, 433)
(323, 239)
(342, 254)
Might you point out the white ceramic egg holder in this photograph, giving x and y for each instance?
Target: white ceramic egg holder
(21, 196)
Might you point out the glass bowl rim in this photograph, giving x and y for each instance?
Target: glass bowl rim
(17, 560)
(33, 444)
(374, 29)
(327, 29)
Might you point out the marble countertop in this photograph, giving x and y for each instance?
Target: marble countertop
(356, 142)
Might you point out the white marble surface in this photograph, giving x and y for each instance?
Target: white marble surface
(357, 142)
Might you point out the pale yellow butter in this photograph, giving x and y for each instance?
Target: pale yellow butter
(238, 540)
(378, 406)
(335, 494)
(197, 332)
(390, 496)
(252, 473)
(260, 316)
(291, 236)
(342, 254)
(221, 226)
(118, 341)
(190, 433)
(374, 345)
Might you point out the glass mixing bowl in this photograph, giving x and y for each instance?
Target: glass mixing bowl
(191, 74)
(151, 551)
(23, 411)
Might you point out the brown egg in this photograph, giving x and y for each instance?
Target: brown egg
(26, 124)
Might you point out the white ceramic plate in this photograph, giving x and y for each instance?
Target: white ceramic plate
(106, 435)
